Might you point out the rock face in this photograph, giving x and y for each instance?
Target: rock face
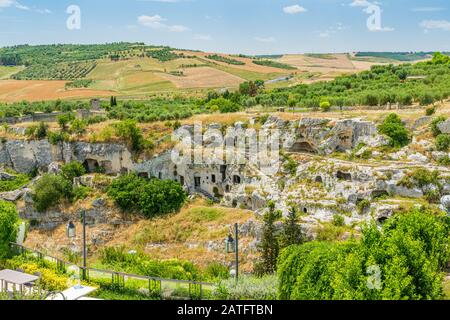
(26, 156)
(325, 137)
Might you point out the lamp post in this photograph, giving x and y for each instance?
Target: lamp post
(72, 234)
(232, 246)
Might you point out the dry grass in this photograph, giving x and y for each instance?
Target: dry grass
(37, 90)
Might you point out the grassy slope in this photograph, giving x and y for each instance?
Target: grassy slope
(6, 72)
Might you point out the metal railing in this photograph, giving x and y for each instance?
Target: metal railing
(152, 286)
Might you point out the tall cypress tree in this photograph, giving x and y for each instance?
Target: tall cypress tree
(269, 246)
(292, 232)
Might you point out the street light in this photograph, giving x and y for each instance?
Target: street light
(71, 233)
(232, 246)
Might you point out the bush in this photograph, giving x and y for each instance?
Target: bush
(129, 132)
(434, 125)
(410, 252)
(325, 106)
(363, 205)
(248, 288)
(223, 105)
(72, 170)
(338, 220)
(394, 128)
(19, 181)
(9, 223)
(49, 190)
(443, 142)
(430, 111)
(216, 271)
(149, 197)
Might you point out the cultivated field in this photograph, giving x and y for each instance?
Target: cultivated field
(37, 90)
(203, 77)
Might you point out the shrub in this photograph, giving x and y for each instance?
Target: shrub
(216, 271)
(49, 190)
(129, 132)
(394, 128)
(430, 111)
(434, 125)
(443, 142)
(19, 181)
(72, 170)
(325, 106)
(363, 205)
(248, 288)
(78, 127)
(338, 220)
(57, 137)
(410, 251)
(149, 197)
(9, 223)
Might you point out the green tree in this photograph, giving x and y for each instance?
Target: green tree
(129, 131)
(269, 247)
(394, 128)
(292, 231)
(9, 223)
(78, 127)
(64, 119)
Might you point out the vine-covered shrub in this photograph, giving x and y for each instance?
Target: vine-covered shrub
(150, 197)
(403, 260)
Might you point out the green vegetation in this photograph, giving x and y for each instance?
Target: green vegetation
(51, 189)
(434, 125)
(380, 86)
(248, 288)
(325, 56)
(9, 223)
(22, 108)
(399, 56)
(443, 142)
(163, 55)
(292, 231)
(84, 83)
(223, 105)
(18, 181)
(274, 64)
(60, 71)
(420, 178)
(118, 259)
(155, 109)
(149, 197)
(403, 260)
(216, 57)
(394, 128)
(270, 246)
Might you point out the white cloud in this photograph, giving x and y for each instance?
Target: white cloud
(203, 37)
(435, 24)
(157, 22)
(294, 9)
(360, 3)
(428, 9)
(265, 39)
(177, 28)
(324, 34)
(12, 3)
(154, 22)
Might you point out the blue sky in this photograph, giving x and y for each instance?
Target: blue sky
(234, 26)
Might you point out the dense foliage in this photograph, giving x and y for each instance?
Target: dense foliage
(16, 182)
(274, 64)
(382, 85)
(51, 189)
(150, 197)
(394, 128)
(403, 260)
(138, 263)
(18, 109)
(248, 288)
(9, 223)
(216, 57)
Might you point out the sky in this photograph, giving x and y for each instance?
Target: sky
(233, 26)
